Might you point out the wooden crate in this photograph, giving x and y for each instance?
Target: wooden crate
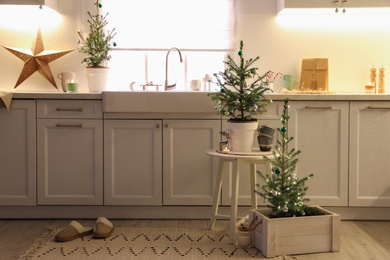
(298, 235)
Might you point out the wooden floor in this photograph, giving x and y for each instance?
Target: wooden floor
(360, 240)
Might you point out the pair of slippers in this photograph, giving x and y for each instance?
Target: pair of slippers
(103, 228)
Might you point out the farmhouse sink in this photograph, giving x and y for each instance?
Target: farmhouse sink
(157, 102)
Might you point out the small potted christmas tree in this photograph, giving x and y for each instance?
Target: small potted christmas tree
(241, 96)
(96, 46)
(290, 226)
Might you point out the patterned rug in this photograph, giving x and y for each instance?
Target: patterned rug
(143, 243)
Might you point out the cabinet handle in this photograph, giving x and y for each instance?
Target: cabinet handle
(336, 1)
(310, 107)
(263, 110)
(77, 109)
(166, 125)
(371, 107)
(157, 125)
(70, 125)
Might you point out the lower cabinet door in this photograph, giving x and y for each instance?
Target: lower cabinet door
(189, 173)
(70, 162)
(18, 154)
(369, 163)
(133, 162)
(321, 132)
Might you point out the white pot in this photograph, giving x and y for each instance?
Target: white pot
(242, 135)
(97, 79)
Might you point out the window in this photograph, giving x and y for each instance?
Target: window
(203, 30)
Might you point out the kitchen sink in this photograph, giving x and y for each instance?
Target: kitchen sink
(157, 102)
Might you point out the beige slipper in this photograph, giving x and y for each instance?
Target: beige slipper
(103, 228)
(72, 231)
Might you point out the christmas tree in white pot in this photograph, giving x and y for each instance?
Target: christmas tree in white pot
(96, 46)
(241, 95)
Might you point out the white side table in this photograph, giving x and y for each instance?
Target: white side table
(237, 159)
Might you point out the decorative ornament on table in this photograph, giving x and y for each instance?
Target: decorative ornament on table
(224, 146)
(241, 95)
(283, 190)
(96, 46)
(36, 59)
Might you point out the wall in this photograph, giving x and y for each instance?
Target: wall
(352, 43)
(19, 31)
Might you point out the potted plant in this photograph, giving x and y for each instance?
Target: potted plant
(96, 46)
(290, 226)
(241, 95)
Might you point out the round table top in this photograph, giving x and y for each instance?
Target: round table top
(240, 155)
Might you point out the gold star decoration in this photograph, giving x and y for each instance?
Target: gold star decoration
(36, 59)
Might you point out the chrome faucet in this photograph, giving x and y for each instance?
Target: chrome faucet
(166, 86)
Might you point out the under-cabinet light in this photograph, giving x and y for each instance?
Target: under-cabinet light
(52, 4)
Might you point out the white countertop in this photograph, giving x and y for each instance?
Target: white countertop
(274, 96)
(332, 97)
(56, 95)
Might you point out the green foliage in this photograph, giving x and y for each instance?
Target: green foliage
(97, 44)
(237, 98)
(283, 191)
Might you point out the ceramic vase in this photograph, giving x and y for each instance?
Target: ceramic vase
(265, 138)
(97, 79)
(242, 134)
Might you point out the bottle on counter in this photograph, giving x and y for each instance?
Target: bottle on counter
(370, 87)
(373, 76)
(381, 81)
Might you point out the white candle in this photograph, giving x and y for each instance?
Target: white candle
(225, 150)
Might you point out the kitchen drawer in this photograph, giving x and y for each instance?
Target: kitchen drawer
(69, 109)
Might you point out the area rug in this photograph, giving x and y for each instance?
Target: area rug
(143, 243)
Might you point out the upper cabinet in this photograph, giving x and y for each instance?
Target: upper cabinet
(364, 3)
(301, 4)
(328, 6)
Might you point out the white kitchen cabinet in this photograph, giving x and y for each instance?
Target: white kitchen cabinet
(133, 162)
(70, 152)
(270, 117)
(18, 154)
(188, 172)
(364, 3)
(320, 130)
(369, 162)
(310, 6)
(159, 162)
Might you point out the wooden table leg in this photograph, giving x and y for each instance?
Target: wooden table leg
(217, 193)
(234, 201)
(253, 185)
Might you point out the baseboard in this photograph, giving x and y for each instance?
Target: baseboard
(161, 212)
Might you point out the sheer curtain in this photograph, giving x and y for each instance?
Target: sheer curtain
(204, 30)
